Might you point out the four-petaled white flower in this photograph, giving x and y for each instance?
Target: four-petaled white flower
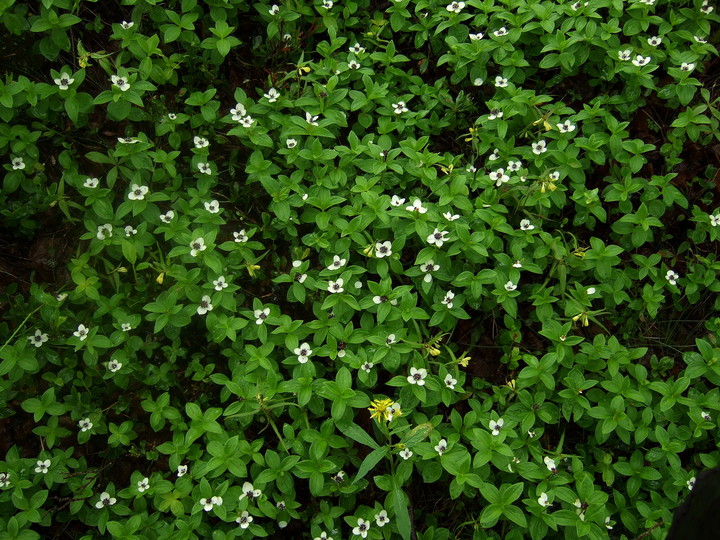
(137, 193)
(429, 267)
(240, 236)
(517, 264)
(247, 121)
(672, 277)
(437, 238)
(495, 155)
(208, 504)
(260, 315)
(381, 518)
(200, 142)
(496, 426)
(499, 177)
(104, 231)
(566, 127)
(310, 119)
(550, 464)
(525, 225)
(167, 216)
(127, 25)
(416, 207)
(64, 81)
(196, 246)
(367, 367)
(543, 500)
(205, 305)
(114, 366)
(327, 4)
(406, 453)
(417, 376)
(450, 216)
(303, 353)
(143, 485)
(4, 480)
(128, 140)
(705, 416)
(510, 286)
(690, 483)
(38, 339)
(81, 332)
(441, 447)
(91, 183)
(238, 112)
(625, 55)
(501, 82)
(42, 467)
(352, 64)
(272, 95)
(396, 201)
(204, 168)
(337, 263)
(126, 327)
(130, 230)
(362, 528)
(477, 37)
(685, 66)
(514, 165)
(450, 382)
(172, 116)
(455, 7)
(182, 470)
(85, 424)
(641, 60)
(399, 107)
(291, 143)
(714, 219)
(249, 491)
(244, 519)
(539, 147)
(357, 49)
(336, 286)
(213, 206)
(220, 283)
(495, 113)
(501, 32)
(390, 339)
(706, 8)
(448, 299)
(274, 9)
(105, 500)
(120, 82)
(654, 41)
(383, 249)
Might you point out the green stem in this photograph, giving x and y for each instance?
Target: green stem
(19, 327)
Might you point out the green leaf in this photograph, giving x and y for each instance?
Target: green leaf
(372, 459)
(358, 434)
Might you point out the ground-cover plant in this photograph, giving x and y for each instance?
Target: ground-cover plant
(357, 269)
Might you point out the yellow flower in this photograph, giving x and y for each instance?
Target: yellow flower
(384, 409)
(433, 350)
(464, 360)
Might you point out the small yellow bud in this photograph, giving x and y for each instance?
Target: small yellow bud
(122, 270)
(160, 278)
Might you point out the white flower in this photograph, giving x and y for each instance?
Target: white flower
(441, 446)
(448, 299)
(137, 193)
(272, 95)
(554, 176)
(91, 183)
(81, 332)
(291, 143)
(495, 155)
(143, 485)
(381, 518)
(525, 225)
(641, 60)
(120, 82)
(450, 382)
(539, 147)
(416, 207)
(590, 290)
(687, 66)
(406, 453)
(323, 536)
(300, 277)
(200, 142)
(437, 238)
(607, 524)
(383, 249)
(417, 376)
(4, 480)
(352, 64)
(104, 231)
(478, 82)
(238, 112)
(625, 55)
(274, 9)
(128, 140)
(127, 25)
(543, 500)
(105, 500)
(260, 315)
(455, 7)
(499, 177)
(550, 464)
(310, 119)
(654, 41)
(690, 483)
(85, 424)
(566, 127)
(500, 32)
(64, 81)
(247, 121)
(172, 116)
(337, 263)
(399, 107)
(220, 283)
(126, 327)
(167, 217)
(249, 491)
(327, 4)
(450, 216)
(38, 339)
(303, 353)
(244, 519)
(495, 113)
(714, 219)
(510, 286)
(705, 416)
(43, 466)
(196, 246)
(398, 201)
(514, 165)
(130, 230)
(706, 9)
(517, 264)
(204, 168)
(501, 82)
(429, 267)
(390, 339)
(496, 426)
(580, 512)
(477, 37)
(336, 286)
(362, 528)
(113, 366)
(357, 49)
(240, 236)
(672, 277)
(213, 206)
(205, 305)
(367, 367)
(208, 504)
(698, 39)
(182, 470)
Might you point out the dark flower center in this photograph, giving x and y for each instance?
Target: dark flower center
(437, 236)
(64, 81)
(204, 304)
(417, 376)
